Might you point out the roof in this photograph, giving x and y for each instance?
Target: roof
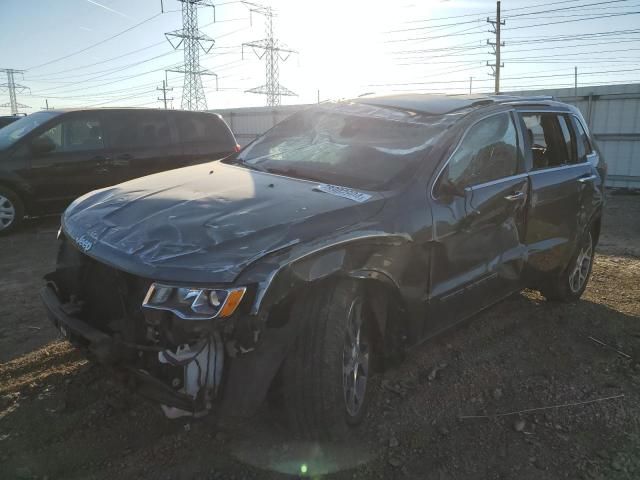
(443, 104)
(111, 109)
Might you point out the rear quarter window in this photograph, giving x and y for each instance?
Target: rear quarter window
(204, 128)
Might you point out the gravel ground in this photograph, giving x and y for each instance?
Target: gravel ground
(477, 402)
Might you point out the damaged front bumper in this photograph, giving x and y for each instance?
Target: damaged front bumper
(192, 373)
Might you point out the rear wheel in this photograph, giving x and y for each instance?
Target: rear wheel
(326, 375)
(571, 284)
(11, 210)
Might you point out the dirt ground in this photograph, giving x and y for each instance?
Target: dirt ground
(60, 418)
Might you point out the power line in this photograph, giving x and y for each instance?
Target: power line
(109, 71)
(586, 5)
(466, 54)
(484, 14)
(438, 26)
(466, 31)
(81, 67)
(575, 20)
(96, 44)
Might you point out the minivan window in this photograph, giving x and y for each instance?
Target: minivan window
(345, 145)
(549, 139)
(18, 129)
(488, 151)
(140, 130)
(204, 128)
(76, 134)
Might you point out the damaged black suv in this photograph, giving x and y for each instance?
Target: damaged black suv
(345, 234)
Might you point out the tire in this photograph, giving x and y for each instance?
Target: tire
(571, 284)
(318, 374)
(11, 210)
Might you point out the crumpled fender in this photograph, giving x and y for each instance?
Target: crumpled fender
(368, 255)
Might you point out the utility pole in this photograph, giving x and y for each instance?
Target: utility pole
(496, 24)
(575, 83)
(192, 41)
(46, 104)
(13, 88)
(470, 85)
(273, 54)
(164, 89)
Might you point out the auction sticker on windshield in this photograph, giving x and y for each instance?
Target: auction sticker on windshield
(345, 192)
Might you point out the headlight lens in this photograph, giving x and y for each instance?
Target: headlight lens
(194, 303)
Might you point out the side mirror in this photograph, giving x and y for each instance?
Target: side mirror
(42, 145)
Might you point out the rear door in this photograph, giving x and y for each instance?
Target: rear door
(78, 164)
(203, 137)
(557, 175)
(142, 142)
(478, 211)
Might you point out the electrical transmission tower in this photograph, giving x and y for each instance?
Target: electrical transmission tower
(13, 88)
(496, 24)
(192, 41)
(273, 54)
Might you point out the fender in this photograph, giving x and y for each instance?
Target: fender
(372, 256)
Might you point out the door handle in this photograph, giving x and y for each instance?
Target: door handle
(586, 179)
(515, 196)
(102, 164)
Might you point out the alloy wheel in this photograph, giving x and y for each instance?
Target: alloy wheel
(580, 272)
(7, 212)
(355, 359)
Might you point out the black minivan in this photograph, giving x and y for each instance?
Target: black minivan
(49, 158)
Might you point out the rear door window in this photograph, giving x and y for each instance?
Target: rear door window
(551, 139)
(136, 130)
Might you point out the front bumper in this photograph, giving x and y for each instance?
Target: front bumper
(109, 351)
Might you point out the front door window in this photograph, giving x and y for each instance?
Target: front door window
(489, 151)
(76, 134)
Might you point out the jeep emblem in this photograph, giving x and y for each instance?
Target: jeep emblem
(84, 243)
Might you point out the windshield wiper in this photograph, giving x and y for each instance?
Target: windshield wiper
(295, 173)
(236, 161)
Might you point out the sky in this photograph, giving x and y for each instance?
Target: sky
(344, 48)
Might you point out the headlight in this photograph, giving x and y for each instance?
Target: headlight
(194, 303)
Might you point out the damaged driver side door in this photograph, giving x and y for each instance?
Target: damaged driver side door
(479, 222)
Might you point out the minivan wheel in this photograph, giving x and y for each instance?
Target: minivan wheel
(326, 375)
(11, 210)
(571, 284)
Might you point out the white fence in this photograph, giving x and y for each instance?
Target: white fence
(612, 112)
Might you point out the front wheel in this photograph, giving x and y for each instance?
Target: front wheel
(326, 375)
(11, 210)
(571, 284)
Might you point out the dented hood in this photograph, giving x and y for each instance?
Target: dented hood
(206, 223)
